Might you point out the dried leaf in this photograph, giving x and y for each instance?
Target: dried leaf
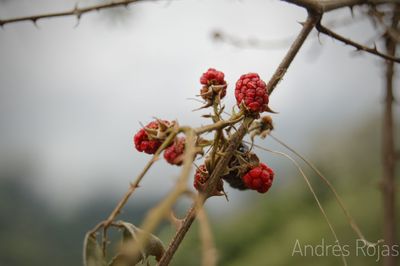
(92, 254)
(130, 235)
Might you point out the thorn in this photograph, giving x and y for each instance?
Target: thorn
(78, 20)
(301, 23)
(34, 21)
(269, 110)
(202, 107)
(133, 185)
(319, 38)
(352, 11)
(76, 8)
(225, 194)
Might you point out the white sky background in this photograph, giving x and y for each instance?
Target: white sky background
(72, 98)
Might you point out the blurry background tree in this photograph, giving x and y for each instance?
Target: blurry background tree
(50, 126)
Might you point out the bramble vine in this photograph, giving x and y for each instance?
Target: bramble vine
(227, 157)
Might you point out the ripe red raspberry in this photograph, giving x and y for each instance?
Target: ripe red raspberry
(214, 83)
(259, 178)
(200, 178)
(146, 142)
(252, 92)
(174, 153)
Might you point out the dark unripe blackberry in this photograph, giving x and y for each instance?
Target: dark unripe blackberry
(241, 166)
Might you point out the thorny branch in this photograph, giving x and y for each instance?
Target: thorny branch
(316, 6)
(323, 6)
(209, 256)
(215, 176)
(269, 44)
(76, 11)
(358, 46)
(105, 224)
(162, 210)
(388, 146)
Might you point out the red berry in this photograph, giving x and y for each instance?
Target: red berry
(259, 178)
(174, 153)
(252, 92)
(146, 143)
(200, 178)
(213, 78)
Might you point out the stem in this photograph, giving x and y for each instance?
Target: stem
(155, 216)
(388, 150)
(78, 12)
(105, 224)
(212, 182)
(217, 136)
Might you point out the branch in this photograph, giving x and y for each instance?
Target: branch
(76, 11)
(270, 44)
(358, 46)
(308, 25)
(106, 224)
(320, 6)
(155, 216)
(388, 147)
(212, 183)
(316, 6)
(389, 30)
(209, 256)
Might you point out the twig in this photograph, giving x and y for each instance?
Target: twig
(219, 125)
(211, 185)
(76, 11)
(308, 25)
(322, 6)
(358, 46)
(392, 32)
(388, 147)
(209, 257)
(105, 224)
(161, 211)
(311, 5)
(270, 44)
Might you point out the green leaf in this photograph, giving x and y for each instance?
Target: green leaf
(92, 254)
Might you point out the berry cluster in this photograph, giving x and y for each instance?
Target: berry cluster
(245, 171)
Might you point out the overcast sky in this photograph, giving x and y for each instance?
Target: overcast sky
(71, 98)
